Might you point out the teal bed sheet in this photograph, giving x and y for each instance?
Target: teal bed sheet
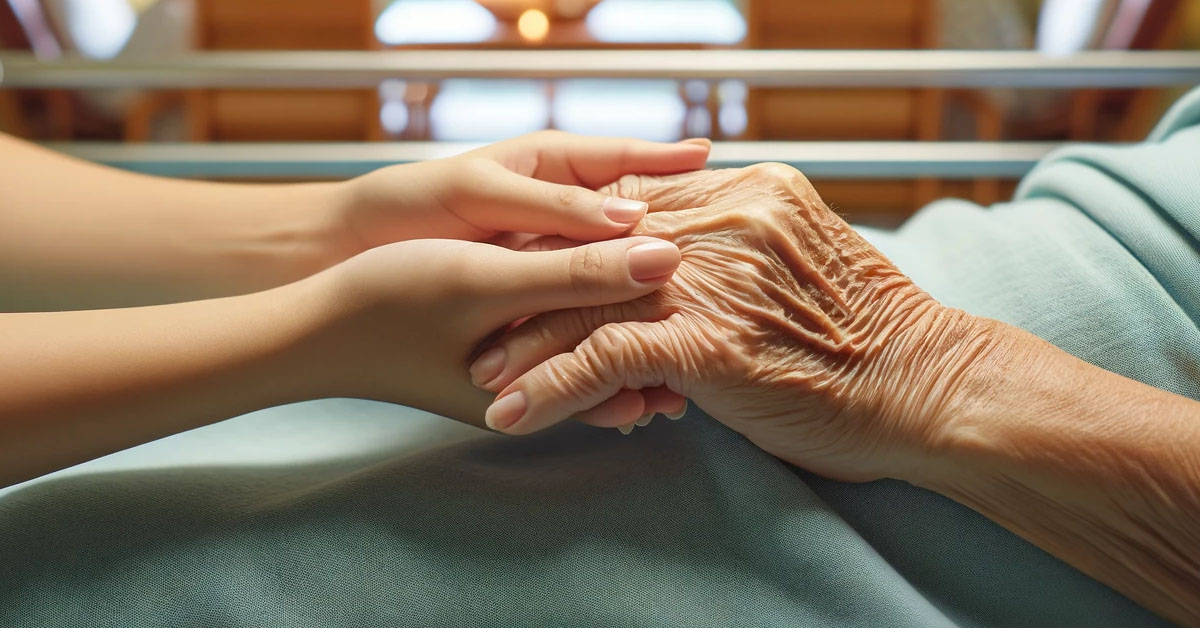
(353, 513)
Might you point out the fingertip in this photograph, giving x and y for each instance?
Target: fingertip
(488, 367)
(698, 150)
(506, 411)
(664, 159)
(624, 407)
(653, 260)
(624, 211)
(663, 400)
(678, 413)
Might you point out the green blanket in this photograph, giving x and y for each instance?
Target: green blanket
(352, 513)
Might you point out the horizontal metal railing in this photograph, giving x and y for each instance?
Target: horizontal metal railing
(825, 68)
(853, 160)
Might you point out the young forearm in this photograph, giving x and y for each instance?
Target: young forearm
(1099, 470)
(80, 235)
(78, 385)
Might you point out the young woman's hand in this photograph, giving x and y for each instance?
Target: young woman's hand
(396, 323)
(117, 239)
(541, 183)
(402, 321)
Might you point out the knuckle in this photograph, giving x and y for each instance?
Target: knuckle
(586, 269)
(627, 186)
(755, 219)
(568, 382)
(782, 181)
(773, 171)
(569, 197)
(553, 328)
(664, 225)
(606, 351)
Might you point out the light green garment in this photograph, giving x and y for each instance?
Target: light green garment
(352, 513)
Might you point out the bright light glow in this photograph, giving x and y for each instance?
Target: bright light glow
(434, 21)
(699, 123)
(98, 28)
(691, 21)
(533, 25)
(651, 110)
(731, 92)
(732, 119)
(393, 116)
(1067, 26)
(480, 110)
(393, 89)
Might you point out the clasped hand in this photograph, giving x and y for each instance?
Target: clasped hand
(781, 322)
(441, 254)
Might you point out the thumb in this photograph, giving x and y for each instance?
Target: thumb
(507, 201)
(615, 357)
(523, 283)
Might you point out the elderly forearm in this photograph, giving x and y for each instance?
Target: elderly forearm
(79, 235)
(1099, 470)
(788, 327)
(78, 385)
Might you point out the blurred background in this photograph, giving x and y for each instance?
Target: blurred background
(492, 109)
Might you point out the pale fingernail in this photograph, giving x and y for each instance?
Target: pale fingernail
(644, 421)
(675, 416)
(487, 366)
(652, 260)
(624, 210)
(506, 411)
(625, 429)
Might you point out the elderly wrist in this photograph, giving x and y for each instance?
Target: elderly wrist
(937, 369)
(984, 415)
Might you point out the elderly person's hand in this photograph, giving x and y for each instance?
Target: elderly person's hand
(784, 324)
(781, 319)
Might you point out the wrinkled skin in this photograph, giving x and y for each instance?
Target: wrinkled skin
(781, 322)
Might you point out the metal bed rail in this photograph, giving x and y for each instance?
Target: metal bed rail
(843, 160)
(816, 68)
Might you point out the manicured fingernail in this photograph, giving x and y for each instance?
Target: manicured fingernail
(652, 260)
(698, 141)
(624, 210)
(625, 429)
(675, 416)
(506, 411)
(644, 421)
(487, 366)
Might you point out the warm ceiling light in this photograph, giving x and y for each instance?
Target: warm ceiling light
(533, 25)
